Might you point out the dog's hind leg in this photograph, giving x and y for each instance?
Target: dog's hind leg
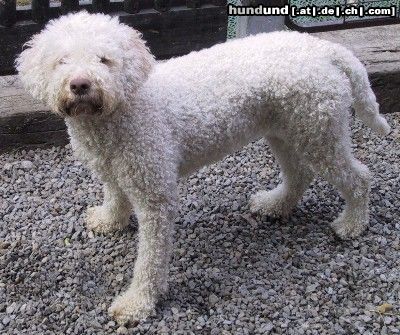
(113, 214)
(296, 176)
(352, 179)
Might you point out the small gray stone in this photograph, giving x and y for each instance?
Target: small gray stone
(27, 165)
(7, 166)
(122, 330)
(6, 320)
(10, 308)
(213, 299)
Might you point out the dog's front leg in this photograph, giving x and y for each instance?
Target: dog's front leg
(113, 214)
(156, 219)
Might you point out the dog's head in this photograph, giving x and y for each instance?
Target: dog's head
(84, 64)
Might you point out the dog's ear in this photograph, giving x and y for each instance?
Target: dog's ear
(138, 60)
(32, 66)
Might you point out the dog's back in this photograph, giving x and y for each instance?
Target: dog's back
(218, 99)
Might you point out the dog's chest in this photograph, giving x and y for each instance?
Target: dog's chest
(93, 146)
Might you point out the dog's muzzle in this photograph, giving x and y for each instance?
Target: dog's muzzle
(80, 96)
(81, 99)
(81, 106)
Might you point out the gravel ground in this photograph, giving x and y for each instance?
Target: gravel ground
(231, 273)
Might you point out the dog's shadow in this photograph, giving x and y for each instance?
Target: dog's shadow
(226, 247)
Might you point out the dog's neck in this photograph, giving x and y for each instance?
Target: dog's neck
(92, 132)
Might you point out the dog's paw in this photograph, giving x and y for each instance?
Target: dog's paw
(100, 220)
(129, 308)
(272, 203)
(348, 226)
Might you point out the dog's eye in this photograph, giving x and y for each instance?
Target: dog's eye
(105, 60)
(60, 61)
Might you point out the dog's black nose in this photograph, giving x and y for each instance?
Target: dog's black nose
(79, 86)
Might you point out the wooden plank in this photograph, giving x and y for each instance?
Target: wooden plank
(377, 47)
(161, 5)
(193, 3)
(387, 90)
(31, 123)
(33, 140)
(25, 122)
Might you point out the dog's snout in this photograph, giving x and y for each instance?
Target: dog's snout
(79, 86)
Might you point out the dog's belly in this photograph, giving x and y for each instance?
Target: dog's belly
(195, 157)
(207, 141)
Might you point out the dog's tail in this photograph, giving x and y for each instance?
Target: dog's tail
(365, 105)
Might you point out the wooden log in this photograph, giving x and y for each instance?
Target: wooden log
(9, 141)
(161, 5)
(193, 3)
(219, 2)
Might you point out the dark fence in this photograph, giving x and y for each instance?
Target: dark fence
(170, 27)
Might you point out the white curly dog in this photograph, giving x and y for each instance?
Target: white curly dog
(140, 125)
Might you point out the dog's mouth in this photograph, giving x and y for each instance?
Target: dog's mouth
(82, 106)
